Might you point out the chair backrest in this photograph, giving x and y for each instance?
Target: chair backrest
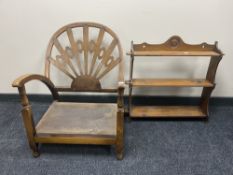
(85, 58)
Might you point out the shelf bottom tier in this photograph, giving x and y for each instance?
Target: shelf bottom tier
(167, 111)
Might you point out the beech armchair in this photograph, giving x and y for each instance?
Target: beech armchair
(85, 61)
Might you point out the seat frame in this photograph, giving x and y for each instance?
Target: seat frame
(34, 139)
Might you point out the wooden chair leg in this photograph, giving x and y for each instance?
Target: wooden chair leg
(30, 130)
(119, 151)
(120, 137)
(35, 150)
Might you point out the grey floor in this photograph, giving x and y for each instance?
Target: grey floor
(151, 147)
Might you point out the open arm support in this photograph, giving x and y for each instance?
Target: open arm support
(27, 111)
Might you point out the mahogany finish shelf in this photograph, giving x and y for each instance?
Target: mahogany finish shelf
(175, 46)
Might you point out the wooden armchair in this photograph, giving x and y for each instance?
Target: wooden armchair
(85, 61)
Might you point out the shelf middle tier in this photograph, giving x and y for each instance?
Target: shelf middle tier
(171, 83)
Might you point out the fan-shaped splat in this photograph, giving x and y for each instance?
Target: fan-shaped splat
(86, 59)
(74, 49)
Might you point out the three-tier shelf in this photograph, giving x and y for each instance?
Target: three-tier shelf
(174, 47)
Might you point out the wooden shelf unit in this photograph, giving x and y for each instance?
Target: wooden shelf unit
(174, 46)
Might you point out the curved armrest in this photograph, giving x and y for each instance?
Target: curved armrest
(22, 80)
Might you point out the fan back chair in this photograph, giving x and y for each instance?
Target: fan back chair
(85, 61)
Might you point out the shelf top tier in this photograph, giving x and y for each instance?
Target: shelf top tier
(175, 46)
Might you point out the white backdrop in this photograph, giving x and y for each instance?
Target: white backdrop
(27, 25)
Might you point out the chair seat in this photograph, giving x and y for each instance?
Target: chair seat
(87, 119)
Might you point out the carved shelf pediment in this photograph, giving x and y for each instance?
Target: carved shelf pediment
(175, 46)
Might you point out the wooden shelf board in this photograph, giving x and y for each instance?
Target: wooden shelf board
(172, 83)
(174, 53)
(167, 111)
